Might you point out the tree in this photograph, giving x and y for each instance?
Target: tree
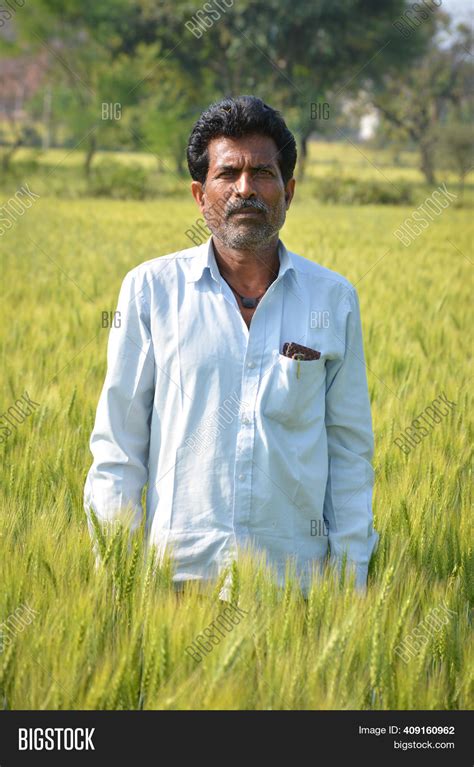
(94, 76)
(457, 149)
(166, 116)
(290, 52)
(325, 51)
(418, 102)
(22, 77)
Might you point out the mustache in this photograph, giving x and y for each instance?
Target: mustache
(246, 205)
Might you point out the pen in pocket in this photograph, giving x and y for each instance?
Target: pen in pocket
(298, 357)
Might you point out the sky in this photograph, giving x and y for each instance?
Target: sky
(461, 10)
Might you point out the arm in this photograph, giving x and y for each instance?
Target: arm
(120, 438)
(348, 499)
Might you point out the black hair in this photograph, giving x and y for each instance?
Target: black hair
(237, 117)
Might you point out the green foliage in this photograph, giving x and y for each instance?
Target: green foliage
(348, 191)
(457, 148)
(143, 56)
(430, 95)
(119, 181)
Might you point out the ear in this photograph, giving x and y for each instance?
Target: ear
(197, 190)
(289, 192)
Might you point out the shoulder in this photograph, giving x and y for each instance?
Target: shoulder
(156, 266)
(161, 272)
(314, 271)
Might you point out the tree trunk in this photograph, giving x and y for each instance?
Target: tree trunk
(179, 160)
(90, 154)
(47, 102)
(427, 164)
(302, 155)
(8, 155)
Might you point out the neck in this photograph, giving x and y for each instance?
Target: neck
(250, 269)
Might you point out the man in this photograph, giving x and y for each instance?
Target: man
(241, 439)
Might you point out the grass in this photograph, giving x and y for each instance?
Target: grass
(116, 637)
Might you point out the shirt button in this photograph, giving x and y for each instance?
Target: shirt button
(241, 477)
(250, 364)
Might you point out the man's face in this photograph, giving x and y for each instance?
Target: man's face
(244, 199)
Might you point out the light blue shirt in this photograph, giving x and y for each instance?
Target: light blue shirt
(236, 443)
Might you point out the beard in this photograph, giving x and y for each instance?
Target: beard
(242, 233)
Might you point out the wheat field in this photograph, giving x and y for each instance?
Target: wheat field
(115, 637)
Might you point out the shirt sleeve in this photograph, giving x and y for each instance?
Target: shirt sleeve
(348, 497)
(121, 435)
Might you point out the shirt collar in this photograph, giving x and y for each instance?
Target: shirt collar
(205, 259)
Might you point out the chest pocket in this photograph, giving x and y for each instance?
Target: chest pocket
(294, 391)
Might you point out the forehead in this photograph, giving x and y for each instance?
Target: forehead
(252, 150)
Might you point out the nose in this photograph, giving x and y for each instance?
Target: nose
(243, 186)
